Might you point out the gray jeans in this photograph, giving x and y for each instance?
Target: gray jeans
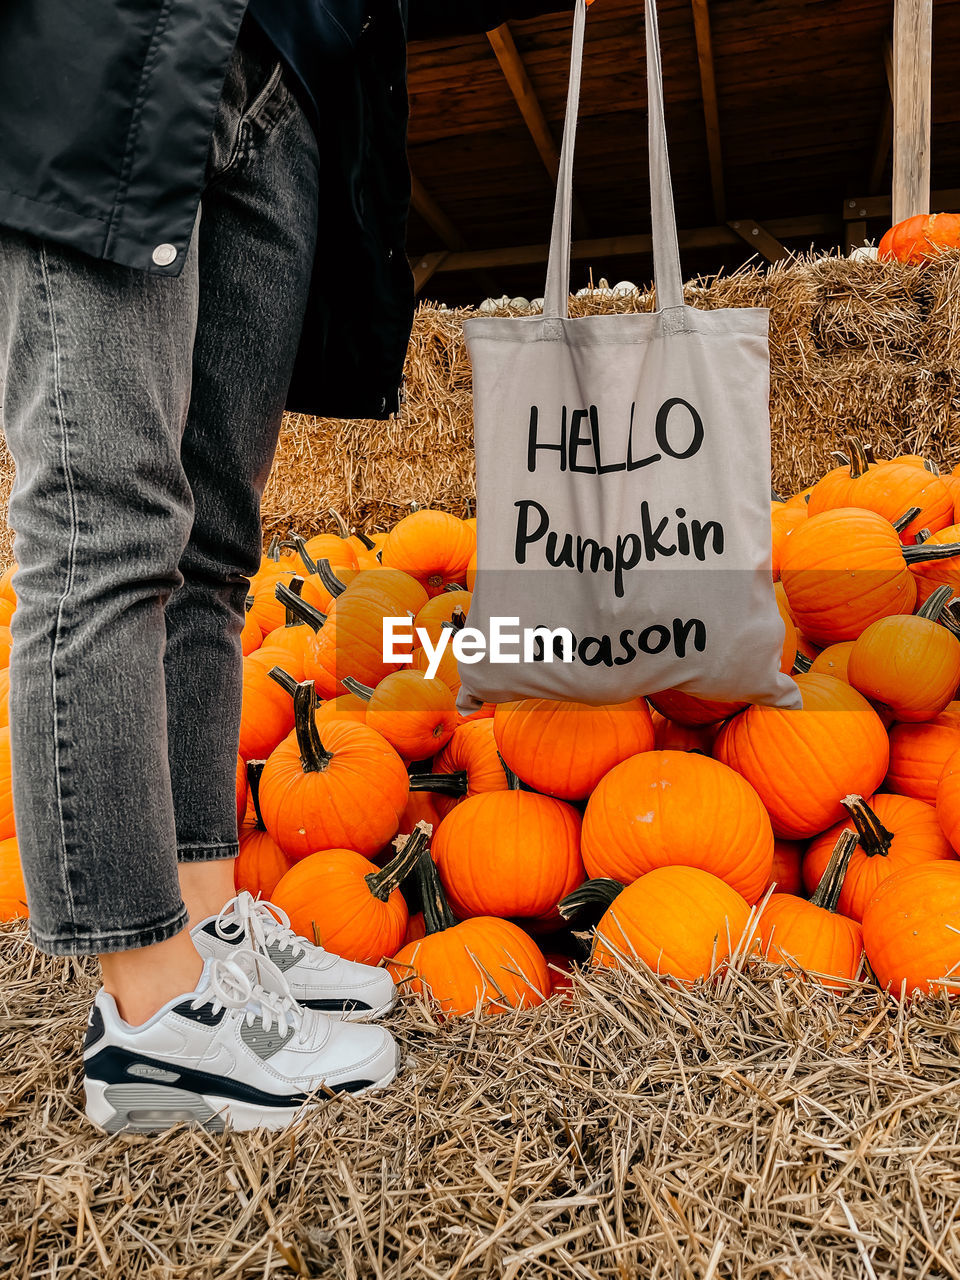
(143, 414)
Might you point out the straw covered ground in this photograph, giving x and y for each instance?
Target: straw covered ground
(765, 1128)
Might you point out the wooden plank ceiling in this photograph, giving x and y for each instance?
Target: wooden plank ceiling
(777, 114)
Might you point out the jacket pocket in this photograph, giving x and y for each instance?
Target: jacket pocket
(239, 111)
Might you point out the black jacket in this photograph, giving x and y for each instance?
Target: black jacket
(106, 113)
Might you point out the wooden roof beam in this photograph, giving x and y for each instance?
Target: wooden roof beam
(759, 238)
(433, 215)
(805, 227)
(711, 110)
(428, 209)
(515, 74)
(880, 206)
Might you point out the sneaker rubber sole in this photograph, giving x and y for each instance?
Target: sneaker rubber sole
(153, 1108)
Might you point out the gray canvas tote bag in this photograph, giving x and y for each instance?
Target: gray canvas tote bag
(623, 482)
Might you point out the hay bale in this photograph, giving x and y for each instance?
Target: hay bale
(862, 346)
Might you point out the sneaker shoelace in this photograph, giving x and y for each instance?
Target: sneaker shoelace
(254, 983)
(263, 923)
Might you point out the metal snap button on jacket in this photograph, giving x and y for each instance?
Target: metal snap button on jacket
(164, 254)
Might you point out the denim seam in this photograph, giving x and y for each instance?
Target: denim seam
(71, 565)
(206, 844)
(98, 941)
(207, 852)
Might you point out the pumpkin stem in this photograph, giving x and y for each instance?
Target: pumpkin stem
(802, 663)
(437, 915)
(931, 466)
(921, 537)
(943, 551)
(600, 892)
(875, 839)
(367, 542)
(935, 604)
(339, 523)
(445, 784)
(328, 576)
(827, 892)
(410, 850)
(859, 460)
(248, 604)
(840, 458)
(296, 586)
(273, 550)
(313, 754)
(774, 496)
(254, 770)
(301, 609)
(355, 687)
(908, 517)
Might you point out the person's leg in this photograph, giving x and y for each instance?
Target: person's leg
(96, 361)
(256, 249)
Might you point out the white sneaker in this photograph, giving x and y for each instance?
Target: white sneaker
(238, 1050)
(318, 979)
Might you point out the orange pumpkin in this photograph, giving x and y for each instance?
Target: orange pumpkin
(668, 735)
(509, 853)
(13, 892)
(261, 863)
(844, 569)
(787, 875)
(930, 574)
(251, 637)
(448, 671)
(911, 929)
(432, 546)
(348, 641)
(345, 706)
(918, 753)
(800, 499)
(948, 800)
(894, 832)
(811, 935)
(888, 488)
(472, 752)
(920, 238)
(484, 964)
(687, 709)
(344, 791)
(438, 610)
(672, 808)
(784, 520)
(421, 806)
(7, 826)
(802, 763)
(910, 664)
(563, 749)
(681, 921)
(266, 710)
(346, 904)
(833, 661)
(416, 715)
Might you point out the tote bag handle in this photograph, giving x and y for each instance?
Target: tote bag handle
(666, 252)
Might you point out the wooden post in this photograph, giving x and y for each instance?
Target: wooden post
(912, 47)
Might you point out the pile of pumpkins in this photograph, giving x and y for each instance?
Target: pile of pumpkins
(466, 851)
(682, 831)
